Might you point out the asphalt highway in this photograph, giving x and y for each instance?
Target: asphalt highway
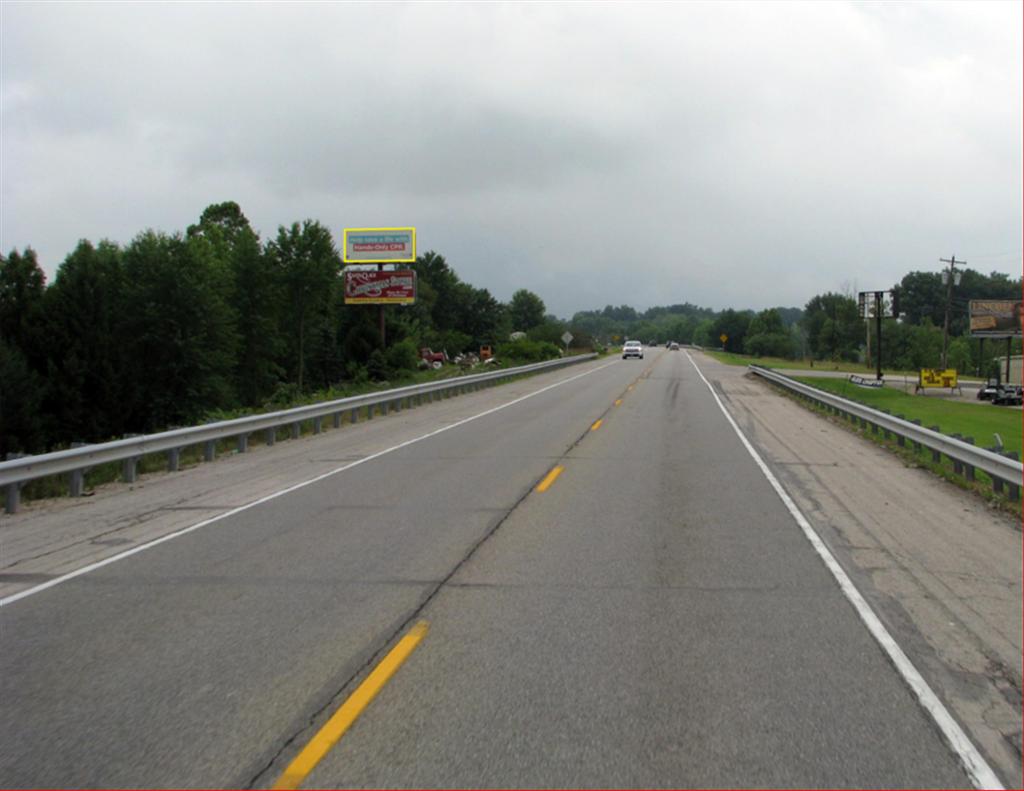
(652, 617)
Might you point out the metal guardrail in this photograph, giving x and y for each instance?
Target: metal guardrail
(1004, 470)
(78, 460)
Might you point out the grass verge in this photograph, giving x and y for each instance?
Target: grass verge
(729, 358)
(980, 421)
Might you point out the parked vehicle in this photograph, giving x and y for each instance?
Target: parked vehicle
(673, 347)
(988, 390)
(434, 359)
(1009, 395)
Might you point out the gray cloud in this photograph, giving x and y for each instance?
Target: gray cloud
(725, 154)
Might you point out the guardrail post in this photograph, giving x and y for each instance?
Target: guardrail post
(173, 459)
(958, 466)
(296, 430)
(917, 445)
(77, 477)
(337, 419)
(269, 436)
(243, 443)
(1014, 488)
(885, 431)
(12, 497)
(12, 491)
(900, 439)
(209, 450)
(317, 425)
(398, 405)
(353, 416)
(130, 467)
(936, 455)
(968, 468)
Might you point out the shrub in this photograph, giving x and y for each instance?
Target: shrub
(403, 356)
(528, 351)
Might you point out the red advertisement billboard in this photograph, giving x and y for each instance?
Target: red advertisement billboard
(370, 287)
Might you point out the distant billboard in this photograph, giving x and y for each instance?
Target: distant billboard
(370, 287)
(874, 304)
(996, 318)
(379, 246)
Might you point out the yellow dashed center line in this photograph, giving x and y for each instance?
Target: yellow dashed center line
(596, 425)
(549, 479)
(350, 710)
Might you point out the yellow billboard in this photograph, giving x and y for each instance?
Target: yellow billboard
(937, 377)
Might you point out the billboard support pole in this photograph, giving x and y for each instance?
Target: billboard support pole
(878, 332)
(380, 319)
(981, 356)
(1009, 340)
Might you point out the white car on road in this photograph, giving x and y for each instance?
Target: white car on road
(633, 349)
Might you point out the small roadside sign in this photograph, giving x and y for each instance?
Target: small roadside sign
(566, 337)
(723, 337)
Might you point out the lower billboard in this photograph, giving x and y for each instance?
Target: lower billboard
(996, 318)
(370, 287)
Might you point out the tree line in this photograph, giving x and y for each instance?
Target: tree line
(829, 327)
(172, 329)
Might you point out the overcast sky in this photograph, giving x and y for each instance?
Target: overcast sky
(725, 154)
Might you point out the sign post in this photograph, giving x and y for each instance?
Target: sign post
(877, 305)
(723, 338)
(380, 246)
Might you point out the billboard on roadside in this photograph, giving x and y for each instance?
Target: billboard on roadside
(379, 246)
(872, 304)
(937, 377)
(996, 318)
(370, 287)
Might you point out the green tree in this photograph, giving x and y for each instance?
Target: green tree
(734, 324)
(767, 336)
(21, 395)
(833, 325)
(254, 295)
(526, 311)
(177, 332)
(87, 367)
(307, 264)
(22, 284)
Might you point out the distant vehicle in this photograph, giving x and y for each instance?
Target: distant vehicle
(988, 390)
(633, 349)
(1009, 395)
(673, 347)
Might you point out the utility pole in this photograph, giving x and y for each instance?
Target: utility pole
(951, 277)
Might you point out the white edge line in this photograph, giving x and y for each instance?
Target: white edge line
(973, 762)
(149, 544)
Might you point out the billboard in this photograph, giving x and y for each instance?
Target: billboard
(872, 304)
(995, 318)
(937, 377)
(379, 246)
(370, 287)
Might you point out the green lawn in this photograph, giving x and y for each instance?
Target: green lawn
(729, 358)
(980, 421)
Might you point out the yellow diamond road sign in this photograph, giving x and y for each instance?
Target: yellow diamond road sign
(723, 337)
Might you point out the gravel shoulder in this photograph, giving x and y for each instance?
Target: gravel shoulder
(940, 567)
